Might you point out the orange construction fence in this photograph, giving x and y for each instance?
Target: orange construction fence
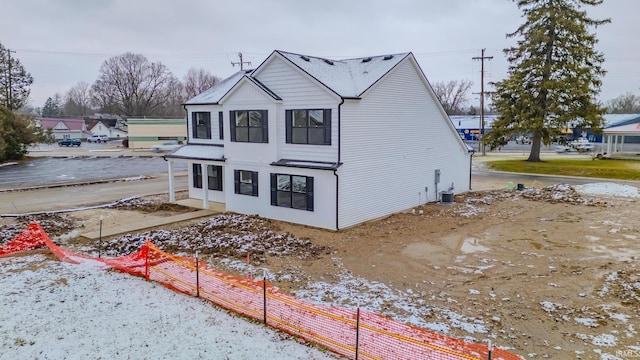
(354, 333)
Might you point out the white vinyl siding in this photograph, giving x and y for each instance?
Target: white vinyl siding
(322, 216)
(247, 96)
(215, 134)
(300, 92)
(392, 142)
(213, 195)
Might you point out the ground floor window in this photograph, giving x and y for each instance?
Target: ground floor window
(292, 191)
(214, 177)
(246, 182)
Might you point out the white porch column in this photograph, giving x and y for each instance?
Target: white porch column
(172, 190)
(205, 186)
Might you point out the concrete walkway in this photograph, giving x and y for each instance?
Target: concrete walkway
(150, 223)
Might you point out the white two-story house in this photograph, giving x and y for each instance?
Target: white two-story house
(324, 143)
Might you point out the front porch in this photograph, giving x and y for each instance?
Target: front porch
(213, 206)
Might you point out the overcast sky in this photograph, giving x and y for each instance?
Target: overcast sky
(63, 42)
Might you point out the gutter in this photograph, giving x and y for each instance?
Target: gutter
(335, 173)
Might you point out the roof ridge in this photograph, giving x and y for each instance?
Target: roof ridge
(345, 59)
(308, 56)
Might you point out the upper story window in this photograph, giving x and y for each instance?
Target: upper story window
(249, 126)
(308, 126)
(220, 125)
(201, 125)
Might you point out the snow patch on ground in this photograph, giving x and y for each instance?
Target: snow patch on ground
(609, 189)
(57, 310)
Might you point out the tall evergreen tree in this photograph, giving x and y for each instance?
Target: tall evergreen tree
(554, 74)
(14, 81)
(17, 132)
(52, 107)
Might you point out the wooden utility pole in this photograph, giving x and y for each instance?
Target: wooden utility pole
(241, 63)
(9, 90)
(482, 58)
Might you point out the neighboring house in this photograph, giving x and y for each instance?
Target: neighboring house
(65, 128)
(112, 128)
(118, 133)
(144, 133)
(325, 143)
(100, 128)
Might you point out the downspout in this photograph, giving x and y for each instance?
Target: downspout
(335, 173)
(471, 167)
(186, 116)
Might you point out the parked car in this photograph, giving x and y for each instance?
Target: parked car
(523, 140)
(582, 145)
(98, 138)
(562, 148)
(166, 146)
(69, 142)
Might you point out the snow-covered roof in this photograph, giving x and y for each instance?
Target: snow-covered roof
(60, 123)
(320, 165)
(611, 120)
(349, 78)
(200, 152)
(218, 91)
(628, 129)
(472, 121)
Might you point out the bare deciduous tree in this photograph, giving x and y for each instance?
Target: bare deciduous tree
(78, 100)
(627, 103)
(130, 85)
(175, 99)
(453, 95)
(197, 81)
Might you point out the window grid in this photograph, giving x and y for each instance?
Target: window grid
(201, 124)
(308, 126)
(292, 191)
(246, 182)
(249, 126)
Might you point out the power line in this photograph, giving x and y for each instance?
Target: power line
(88, 54)
(482, 58)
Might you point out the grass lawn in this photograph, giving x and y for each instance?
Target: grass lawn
(607, 169)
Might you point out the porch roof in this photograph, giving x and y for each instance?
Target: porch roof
(305, 164)
(198, 152)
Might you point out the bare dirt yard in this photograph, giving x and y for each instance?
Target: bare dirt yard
(544, 272)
